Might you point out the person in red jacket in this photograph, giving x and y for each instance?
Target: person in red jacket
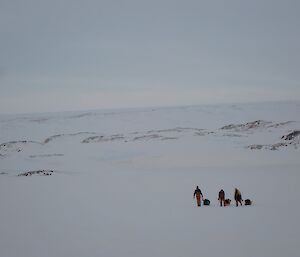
(198, 195)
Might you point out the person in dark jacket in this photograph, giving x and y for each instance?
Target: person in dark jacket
(237, 197)
(198, 195)
(222, 198)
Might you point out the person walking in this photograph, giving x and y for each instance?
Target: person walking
(238, 197)
(222, 198)
(198, 195)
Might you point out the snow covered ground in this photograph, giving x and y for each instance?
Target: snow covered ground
(122, 182)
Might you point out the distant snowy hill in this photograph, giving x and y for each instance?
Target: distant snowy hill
(120, 182)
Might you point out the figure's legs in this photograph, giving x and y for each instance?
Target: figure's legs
(198, 201)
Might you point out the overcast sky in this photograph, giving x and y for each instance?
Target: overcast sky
(75, 55)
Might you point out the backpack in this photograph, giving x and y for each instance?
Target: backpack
(248, 202)
(206, 202)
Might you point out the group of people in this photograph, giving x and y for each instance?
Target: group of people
(221, 197)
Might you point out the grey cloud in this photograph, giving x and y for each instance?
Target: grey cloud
(128, 44)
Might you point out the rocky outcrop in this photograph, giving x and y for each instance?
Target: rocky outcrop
(98, 139)
(246, 126)
(291, 139)
(37, 172)
(51, 138)
(292, 135)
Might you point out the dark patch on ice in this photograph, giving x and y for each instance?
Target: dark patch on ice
(97, 139)
(255, 147)
(90, 114)
(37, 172)
(177, 129)
(3, 173)
(233, 135)
(82, 115)
(267, 147)
(147, 137)
(51, 138)
(203, 133)
(46, 155)
(12, 143)
(169, 138)
(40, 120)
(281, 124)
